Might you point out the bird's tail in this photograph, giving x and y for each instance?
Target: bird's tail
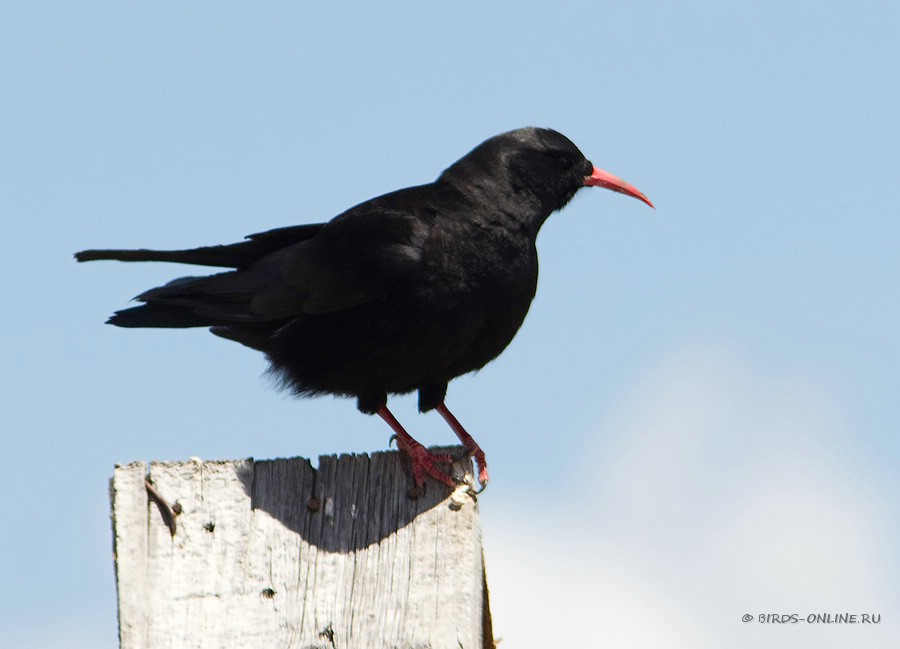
(219, 300)
(211, 256)
(235, 255)
(158, 315)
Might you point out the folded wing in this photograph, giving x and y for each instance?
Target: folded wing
(358, 257)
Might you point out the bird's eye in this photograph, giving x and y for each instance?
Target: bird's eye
(563, 162)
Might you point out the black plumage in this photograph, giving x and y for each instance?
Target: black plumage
(403, 292)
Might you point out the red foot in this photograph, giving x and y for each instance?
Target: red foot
(423, 460)
(472, 447)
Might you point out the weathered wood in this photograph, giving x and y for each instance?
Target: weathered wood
(255, 563)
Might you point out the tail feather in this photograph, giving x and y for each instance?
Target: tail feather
(161, 316)
(210, 256)
(231, 286)
(222, 300)
(235, 255)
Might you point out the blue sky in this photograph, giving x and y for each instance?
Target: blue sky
(714, 378)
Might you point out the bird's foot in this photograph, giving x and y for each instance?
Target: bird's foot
(472, 448)
(425, 462)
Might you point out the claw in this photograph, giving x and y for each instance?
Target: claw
(423, 461)
(481, 465)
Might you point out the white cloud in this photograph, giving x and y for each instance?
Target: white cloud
(716, 489)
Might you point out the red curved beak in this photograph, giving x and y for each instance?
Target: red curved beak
(600, 178)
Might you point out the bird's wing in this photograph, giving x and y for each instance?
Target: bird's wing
(357, 257)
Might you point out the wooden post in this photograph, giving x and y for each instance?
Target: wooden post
(277, 554)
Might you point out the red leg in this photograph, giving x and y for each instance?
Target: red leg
(471, 445)
(423, 461)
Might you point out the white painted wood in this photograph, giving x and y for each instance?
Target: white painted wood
(251, 565)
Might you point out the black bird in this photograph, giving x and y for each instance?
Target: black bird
(403, 292)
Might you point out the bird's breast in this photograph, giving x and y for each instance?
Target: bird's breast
(482, 284)
(486, 263)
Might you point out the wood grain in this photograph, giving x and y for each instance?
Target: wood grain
(255, 563)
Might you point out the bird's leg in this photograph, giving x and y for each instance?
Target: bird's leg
(471, 445)
(423, 460)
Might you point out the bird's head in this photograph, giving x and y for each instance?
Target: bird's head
(536, 163)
